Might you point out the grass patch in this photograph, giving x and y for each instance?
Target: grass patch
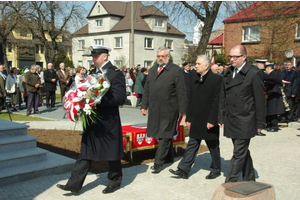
(19, 117)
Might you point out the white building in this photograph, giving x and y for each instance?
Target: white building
(109, 24)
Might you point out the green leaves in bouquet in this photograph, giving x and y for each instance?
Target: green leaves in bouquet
(86, 120)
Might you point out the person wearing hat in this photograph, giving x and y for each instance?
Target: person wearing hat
(188, 75)
(275, 106)
(102, 141)
(290, 80)
(260, 63)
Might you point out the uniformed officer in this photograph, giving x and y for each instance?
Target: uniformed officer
(102, 141)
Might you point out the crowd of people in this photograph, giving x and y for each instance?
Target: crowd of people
(239, 97)
(33, 85)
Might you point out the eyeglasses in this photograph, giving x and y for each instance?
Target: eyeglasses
(234, 57)
(161, 56)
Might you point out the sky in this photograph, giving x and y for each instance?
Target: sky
(186, 30)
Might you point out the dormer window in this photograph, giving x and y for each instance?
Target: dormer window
(23, 32)
(298, 30)
(158, 22)
(99, 22)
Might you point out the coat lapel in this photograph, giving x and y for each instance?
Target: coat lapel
(238, 78)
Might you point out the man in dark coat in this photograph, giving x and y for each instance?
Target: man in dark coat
(165, 96)
(2, 87)
(103, 141)
(64, 79)
(188, 75)
(50, 78)
(290, 79)
(275, 106)
(201, 118)
(241, 111)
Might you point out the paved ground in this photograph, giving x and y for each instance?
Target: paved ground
(276, 160)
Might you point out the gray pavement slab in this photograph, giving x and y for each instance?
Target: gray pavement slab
(276, 158)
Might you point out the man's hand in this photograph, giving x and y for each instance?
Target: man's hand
(144, 112)
(259, 130)
(188, 124)
(37, 85)
(209, 126)
(293, 95)
(221, 125)
(53, 80)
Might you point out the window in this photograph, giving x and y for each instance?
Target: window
(251, 34)
(118, 42)
(81, 44)
(37, 48)
(80, 63)
(42, 49)
(158, 22)
(99, 23)
(99, 42)
(298, 30)
(149, 43)
(23, 33)
(169, 44)
(9, 47)
(118, 63)
(147, 63)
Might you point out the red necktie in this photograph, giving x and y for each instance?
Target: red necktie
(160, 69)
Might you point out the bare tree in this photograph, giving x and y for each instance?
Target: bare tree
(11, 12)
(51, 19)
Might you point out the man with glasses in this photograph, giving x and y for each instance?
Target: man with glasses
(241, 111)
(165, 96)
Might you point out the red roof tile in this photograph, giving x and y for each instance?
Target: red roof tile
(217, 40)
(265, 9)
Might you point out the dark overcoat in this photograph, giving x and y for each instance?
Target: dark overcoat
(164, 97)
(188, 76)
(203, 106)
(242, 102)
(48, 75)
(274, 101)
(104, 141)
(290, 88)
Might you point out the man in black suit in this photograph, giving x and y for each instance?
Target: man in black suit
(165, 96)
(50, 78)
(241, 111)
(290, 79)
(188, 75)
(201, 118)
(102, 141)
(275, 106)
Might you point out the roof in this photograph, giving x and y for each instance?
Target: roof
(217, 40)
(265, 9)
(123, 10)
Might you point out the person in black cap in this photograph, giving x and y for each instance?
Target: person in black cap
(188, 75)
(102, 141)
(275, 106)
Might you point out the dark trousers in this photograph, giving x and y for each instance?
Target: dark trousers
(81, 169)
(32, 101)
(191, 152)
(50, 94)
(164, 151)
(272, 121)
(293, 113)
(63, 90)
(241, 161)
(139, 99)
(2, 103)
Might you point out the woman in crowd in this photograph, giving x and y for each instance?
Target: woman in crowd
(80, 75)
(12, 88)
(139, 89)
(133, 77)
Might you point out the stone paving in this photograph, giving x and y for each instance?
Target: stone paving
(276, 159)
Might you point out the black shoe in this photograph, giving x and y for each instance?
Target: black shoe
(68, 188)
(260, 134)
(52, 106)
(48, 106)
(156, 169)
(273, 130)
(37, 112)
(110, 189)
(212, 175)
(180, 173)
(27, 114)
